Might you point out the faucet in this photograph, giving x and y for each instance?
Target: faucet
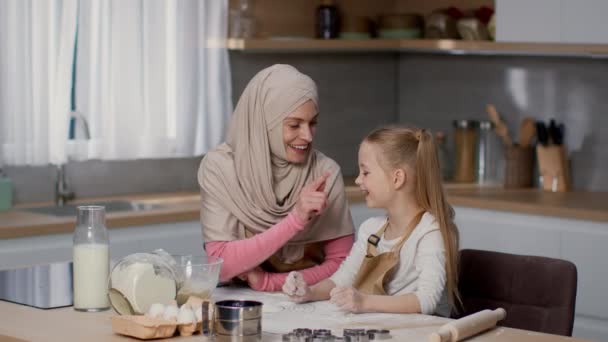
(76, 117)
(62, 191)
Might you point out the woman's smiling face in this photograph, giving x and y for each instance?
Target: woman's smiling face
(299, 129)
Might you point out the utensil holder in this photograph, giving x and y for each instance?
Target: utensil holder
(554, 173)
(519, 166)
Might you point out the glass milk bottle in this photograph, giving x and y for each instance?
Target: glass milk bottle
(91, 260)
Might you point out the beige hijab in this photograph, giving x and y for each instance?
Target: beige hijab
(249, 177)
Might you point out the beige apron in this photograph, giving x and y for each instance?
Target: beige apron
(314, 255)
(376, 268)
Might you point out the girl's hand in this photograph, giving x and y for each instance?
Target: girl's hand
(296, 288)
(313, 199)
(347, 298)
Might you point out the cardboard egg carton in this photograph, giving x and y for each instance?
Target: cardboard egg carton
(146, 328)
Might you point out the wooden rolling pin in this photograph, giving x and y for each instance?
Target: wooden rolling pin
(468, 326)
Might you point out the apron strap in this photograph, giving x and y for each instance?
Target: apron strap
(374, 239)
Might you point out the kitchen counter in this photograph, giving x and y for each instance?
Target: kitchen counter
(590, 206)
(581, 205)
(178, 207)
(23, 323)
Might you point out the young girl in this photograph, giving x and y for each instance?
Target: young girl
(401, 263)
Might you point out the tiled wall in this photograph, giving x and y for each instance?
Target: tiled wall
(431, 91)
(436, 89)
(359, 91)
(106, 178)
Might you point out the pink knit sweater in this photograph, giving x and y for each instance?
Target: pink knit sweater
(241, 256)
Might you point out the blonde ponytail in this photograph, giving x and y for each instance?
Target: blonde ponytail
(416, 147)
(431, 197)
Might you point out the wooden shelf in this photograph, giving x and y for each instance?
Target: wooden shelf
(419, 45)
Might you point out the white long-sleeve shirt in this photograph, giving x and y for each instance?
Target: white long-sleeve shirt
(421, 267)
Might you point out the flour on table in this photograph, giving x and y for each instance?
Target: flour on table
(280, 315)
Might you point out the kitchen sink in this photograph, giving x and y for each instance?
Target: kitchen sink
(111, 206)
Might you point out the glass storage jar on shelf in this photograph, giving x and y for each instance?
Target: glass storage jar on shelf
(242, 20)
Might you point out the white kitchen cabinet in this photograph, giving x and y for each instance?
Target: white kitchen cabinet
(584, 21)
(552, 21)
(528, 21)
(581, 242)
(175, 238)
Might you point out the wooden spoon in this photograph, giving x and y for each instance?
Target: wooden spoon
(499, 126)
(527, 131)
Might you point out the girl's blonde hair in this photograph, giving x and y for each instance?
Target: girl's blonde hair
(416, 148)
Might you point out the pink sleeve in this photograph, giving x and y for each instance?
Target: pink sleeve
(243, 255)
(336, 251)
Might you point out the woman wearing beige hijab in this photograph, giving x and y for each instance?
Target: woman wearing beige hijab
(270, 203)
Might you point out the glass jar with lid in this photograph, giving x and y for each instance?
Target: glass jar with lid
(489, 151)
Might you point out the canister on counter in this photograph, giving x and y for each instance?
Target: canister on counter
(465, 138)
(489, 153)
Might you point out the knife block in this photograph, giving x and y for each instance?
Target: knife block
(553, 168)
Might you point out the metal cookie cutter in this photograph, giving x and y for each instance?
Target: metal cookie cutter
(292, 337)
(298, 335)
(378, 334)
(356, 335)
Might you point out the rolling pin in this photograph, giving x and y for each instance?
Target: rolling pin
(468, 326)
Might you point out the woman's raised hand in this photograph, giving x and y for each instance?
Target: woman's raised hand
(313, 199)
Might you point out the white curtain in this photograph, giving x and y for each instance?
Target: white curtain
(151, 78)
(36, 53)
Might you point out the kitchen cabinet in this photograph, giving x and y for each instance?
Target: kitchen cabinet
(584, 21)
(552, 21)
(176, 238)
(528, 21)
(579, 241)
